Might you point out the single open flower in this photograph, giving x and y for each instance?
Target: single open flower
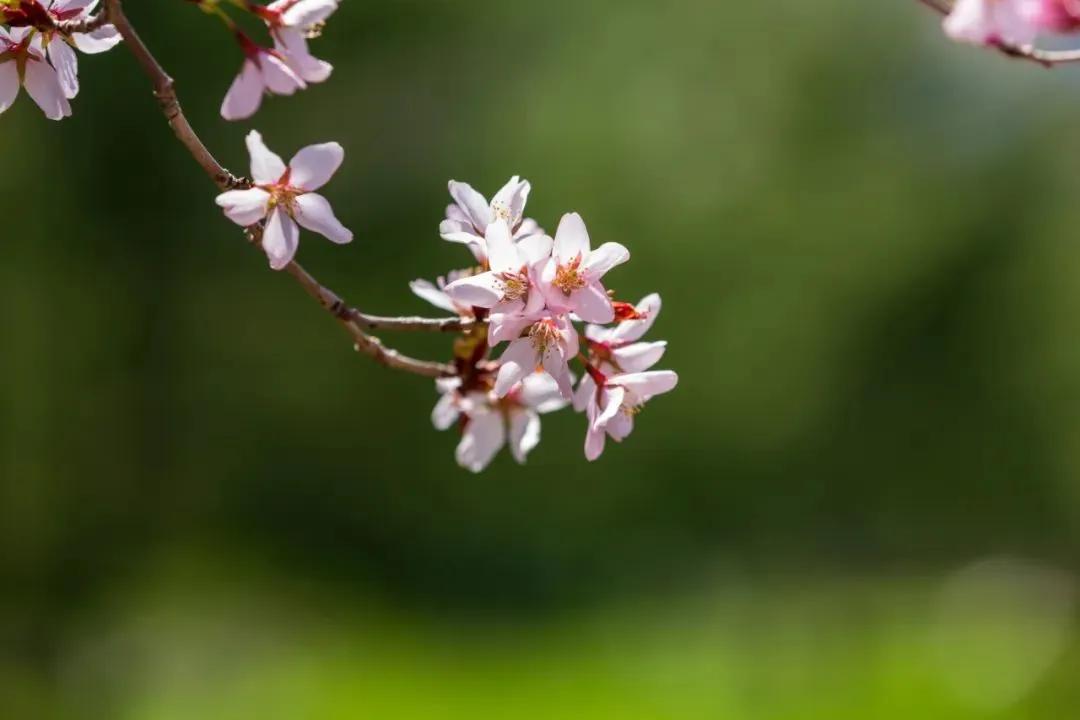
(611, 410)
(23, 64)
(509, 287)
(615, 350)
(549, 342)
(264, 71)
(991, 22)
(489, 422)
(571, 279)
(284, 196)
(303, 15)
(468, 218)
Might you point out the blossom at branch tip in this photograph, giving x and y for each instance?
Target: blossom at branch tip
(435, 293)
(615, 350)
(59, 45)
(284, 195)
(468, 218)
(1010, 22)
(23, 64)
(265, 71)
(546, 342)
(303, 15)
(571, 279)
(488, 422)
(509, 288)
(611, 410)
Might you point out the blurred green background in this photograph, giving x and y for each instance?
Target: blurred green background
(861, 502)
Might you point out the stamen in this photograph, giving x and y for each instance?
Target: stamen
(567, 277)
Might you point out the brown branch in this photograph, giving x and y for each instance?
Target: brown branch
(165, 92)
(1045, 58)
(414, 324)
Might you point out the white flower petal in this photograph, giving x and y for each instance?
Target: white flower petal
(97, 41)
(604, 258)
(9, 84)
(502, 328)
(484, 436)
(245, 93)
(592, 304)
(66, 63)
(314, 212)
(535, 249)
(554, 363)
(280, 239)
(43, 85)
(502, 253)
(611, 400)
(648, 384)
(517, 361)
(639, 356)
(586, 391)
(308, 12)
(483, 290)
(293, 46)
(266, 166)
(524, 433)
(571, 239)
(426, 291)
(314, 165)
(472, 203)
(278, 77)
(445, 412)
(244, 207)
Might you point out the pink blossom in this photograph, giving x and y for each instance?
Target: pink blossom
(611, 410)
(468, 218)
(264, 71)
(615, 350)
(284, 196)
(488, 422)
(991, 22)
(23, 64)
(509, 288)
(59, 45)
(1058, 16)
(571, 279)
(549, 342)
(302, 15)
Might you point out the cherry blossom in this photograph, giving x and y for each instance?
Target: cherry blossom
(468, 218)
(549, 342)
(264, 71)
(509, 288)
(23, 64)
(303, 15)
(59, 45)
(488, 422)
(284, 196)
(615, 350)
(571, 279)
(611, 410)
(991, 22)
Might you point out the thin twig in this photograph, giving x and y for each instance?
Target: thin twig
(415, 324)
(350, 319)
(1045, 58)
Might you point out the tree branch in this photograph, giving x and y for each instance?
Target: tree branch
(353, 321)
(1045, 58)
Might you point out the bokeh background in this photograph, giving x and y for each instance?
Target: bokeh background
(861, 502)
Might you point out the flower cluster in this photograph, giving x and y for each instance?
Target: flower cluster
(529, 291)
(1014, 23)
(36, 52)
(284, 67)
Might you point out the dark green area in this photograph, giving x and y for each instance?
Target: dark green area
(865, 239)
